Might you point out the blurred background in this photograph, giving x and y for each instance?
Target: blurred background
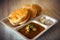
(49, 7)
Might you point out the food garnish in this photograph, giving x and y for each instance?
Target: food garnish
(30, 28)
(48, 22)
(45, 21)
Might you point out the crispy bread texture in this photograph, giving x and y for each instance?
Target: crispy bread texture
(27, 12)
(18, 15)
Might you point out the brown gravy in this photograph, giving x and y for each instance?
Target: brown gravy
(31, 35)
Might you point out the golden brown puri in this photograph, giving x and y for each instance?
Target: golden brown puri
(27, 12)
(32, 10)
(38, 8)
(35, 9)
(18, 15)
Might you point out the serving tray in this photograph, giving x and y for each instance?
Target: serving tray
(36, 20)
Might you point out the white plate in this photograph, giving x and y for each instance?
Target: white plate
(6, 22)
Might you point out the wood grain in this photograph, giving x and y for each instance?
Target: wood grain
(49, 7)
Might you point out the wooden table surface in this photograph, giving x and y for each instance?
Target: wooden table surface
(49, 7)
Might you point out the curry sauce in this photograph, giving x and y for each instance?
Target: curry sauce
(31, 34)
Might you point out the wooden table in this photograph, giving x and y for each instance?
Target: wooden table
(49, 7)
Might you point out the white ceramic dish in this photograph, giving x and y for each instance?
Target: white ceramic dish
(5, 22)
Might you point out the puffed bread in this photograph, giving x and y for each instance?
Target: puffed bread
(17, 16)
(38, 8)
(32, 10)
(20, 16)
